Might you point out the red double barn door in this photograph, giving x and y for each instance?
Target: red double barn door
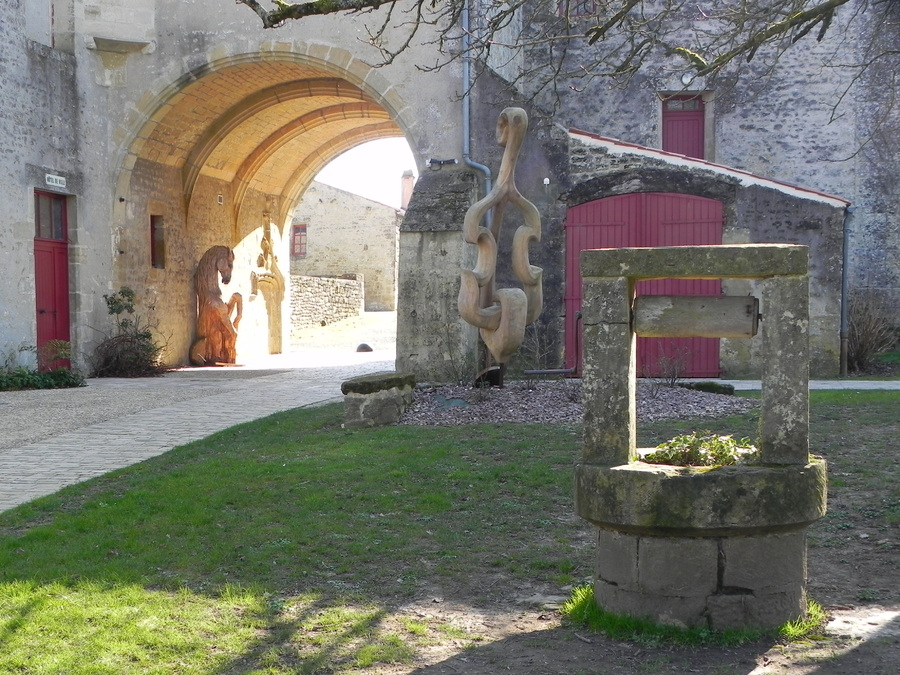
(646, 219)
(51, 271)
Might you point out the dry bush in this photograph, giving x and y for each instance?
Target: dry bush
(133, 351)
(872, 329)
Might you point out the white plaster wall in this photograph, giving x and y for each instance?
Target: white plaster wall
(38, 25)
(129, 20)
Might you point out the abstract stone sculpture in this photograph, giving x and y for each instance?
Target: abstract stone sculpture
(501, 315)
(216, 330)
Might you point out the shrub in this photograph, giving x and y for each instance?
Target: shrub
(133, 351)
(14, 377)
(703, 449)
(871, 328)
(709, 387)
(17, 379)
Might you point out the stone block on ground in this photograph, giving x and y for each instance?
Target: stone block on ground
(377, 399)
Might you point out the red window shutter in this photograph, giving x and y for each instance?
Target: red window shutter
(683, 122)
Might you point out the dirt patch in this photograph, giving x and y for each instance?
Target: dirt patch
(502, 626)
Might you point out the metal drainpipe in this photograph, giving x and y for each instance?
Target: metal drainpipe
(466, 111)
(845, 289)
(467, 104)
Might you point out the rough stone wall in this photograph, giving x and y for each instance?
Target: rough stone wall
(80, 110)
(40, 105)
(319, 301)
(433, 342)
(800, 119)
(348, 234)
(874, 228)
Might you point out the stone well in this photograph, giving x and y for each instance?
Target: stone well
(700, 547)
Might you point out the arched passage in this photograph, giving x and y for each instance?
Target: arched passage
(221, 159)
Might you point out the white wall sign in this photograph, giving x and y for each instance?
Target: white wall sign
(55, 181)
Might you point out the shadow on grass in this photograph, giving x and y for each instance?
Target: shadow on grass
(283, 543)
(288, 545)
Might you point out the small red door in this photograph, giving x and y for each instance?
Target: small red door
(51, 271)
(646, 219)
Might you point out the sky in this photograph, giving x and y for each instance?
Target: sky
(372, 170)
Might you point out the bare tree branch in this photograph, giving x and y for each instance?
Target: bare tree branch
(286, 11)
(537, 45)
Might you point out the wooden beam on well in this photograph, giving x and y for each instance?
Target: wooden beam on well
(696, 316)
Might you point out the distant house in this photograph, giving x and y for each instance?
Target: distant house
(336, 233)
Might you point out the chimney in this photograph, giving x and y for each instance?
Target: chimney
(407, 180)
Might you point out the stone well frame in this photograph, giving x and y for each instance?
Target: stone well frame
(723, 548)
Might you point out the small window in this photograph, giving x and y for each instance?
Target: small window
(49, 216)
(576, 8)
(157, 243)
(298, 241)
(693, 103)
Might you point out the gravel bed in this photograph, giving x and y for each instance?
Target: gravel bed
(558, 402)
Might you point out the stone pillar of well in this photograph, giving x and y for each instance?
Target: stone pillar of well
(721, 548)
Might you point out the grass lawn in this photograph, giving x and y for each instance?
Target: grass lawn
(287, 545)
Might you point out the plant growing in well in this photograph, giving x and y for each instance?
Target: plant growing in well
(703, 449)
(582, 609)
(133, 351)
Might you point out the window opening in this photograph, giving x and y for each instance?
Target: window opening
(576, 8)
(157, 242)
(49, 216)
(298, 241)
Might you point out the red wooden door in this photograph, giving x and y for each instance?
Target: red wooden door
(51, 270)
(651, 219)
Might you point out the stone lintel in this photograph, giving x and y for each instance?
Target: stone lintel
(663, 500)
(727, 261)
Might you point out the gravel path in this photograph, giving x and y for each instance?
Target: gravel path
(558, 402)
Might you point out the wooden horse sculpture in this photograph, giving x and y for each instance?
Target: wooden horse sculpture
(216, 331)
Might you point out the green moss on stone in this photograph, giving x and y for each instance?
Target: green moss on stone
(369, 384)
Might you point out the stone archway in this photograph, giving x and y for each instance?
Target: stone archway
(221, 157)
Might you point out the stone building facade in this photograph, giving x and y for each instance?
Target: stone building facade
(155, 130)
(346, 234)
(150, 131)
